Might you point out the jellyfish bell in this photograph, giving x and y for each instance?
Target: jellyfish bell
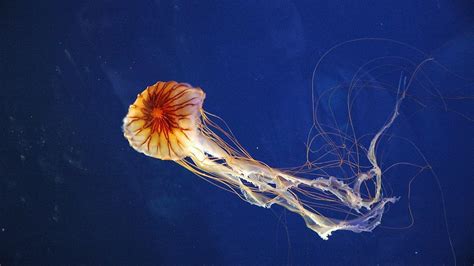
(164, 119)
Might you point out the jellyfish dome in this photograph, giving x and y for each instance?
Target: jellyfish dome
(162, 120)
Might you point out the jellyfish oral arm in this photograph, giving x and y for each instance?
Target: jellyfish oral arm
(264, 186)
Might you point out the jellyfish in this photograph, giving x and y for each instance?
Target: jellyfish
(167, 121)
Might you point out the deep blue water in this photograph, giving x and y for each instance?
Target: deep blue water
(73, 192)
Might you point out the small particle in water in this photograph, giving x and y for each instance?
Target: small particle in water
(3, 229)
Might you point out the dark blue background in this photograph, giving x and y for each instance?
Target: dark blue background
(73, 192)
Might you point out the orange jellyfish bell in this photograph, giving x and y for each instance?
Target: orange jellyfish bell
(164, 119)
